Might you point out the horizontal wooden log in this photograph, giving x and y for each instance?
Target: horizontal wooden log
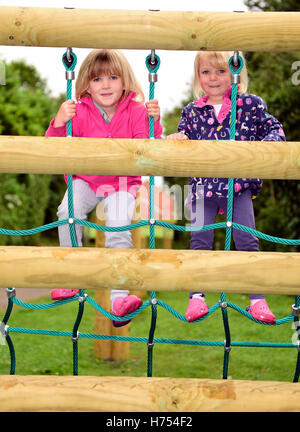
(144, 269)
(129, 394)
(107, 156)
(129, 29)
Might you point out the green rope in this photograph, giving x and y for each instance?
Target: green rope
(81, 299)
(232, 137)
(155, 340)
(70, 66)
(146, 304)
(10, 292)
(227, 343)
(152, 63)
(142, 223)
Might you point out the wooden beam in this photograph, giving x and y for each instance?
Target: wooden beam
(129, 394)
(129, 29)
(144, 269)
(237, 159)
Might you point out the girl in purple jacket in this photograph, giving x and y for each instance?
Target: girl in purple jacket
(208, 118)
(110, 104)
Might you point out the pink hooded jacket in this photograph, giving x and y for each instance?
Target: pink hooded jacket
(129, 121)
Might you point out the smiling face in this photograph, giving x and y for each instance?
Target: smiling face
(214, 80)
(107, 91)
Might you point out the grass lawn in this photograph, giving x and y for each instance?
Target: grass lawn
(37, 354)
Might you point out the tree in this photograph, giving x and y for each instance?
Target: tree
(273, 5)
(25, 109)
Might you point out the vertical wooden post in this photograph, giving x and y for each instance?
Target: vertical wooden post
(168, 237)
(107, 349)
(137, 238)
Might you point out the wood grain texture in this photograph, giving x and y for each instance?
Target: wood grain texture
(87, 28)
(144, 269)
(108, 156)
(130, 394)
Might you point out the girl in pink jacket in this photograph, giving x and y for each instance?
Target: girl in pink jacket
(109, 105)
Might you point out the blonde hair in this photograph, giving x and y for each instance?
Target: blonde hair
(107, 62)
(217, 59)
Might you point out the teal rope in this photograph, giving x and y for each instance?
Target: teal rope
(227, 344)
(287, 242)
(155, 340)
(71, 215)
(8, 338)
(8, 310)
(12, 355)
(168, 308)
(51, 305)
(33, 230)
(75, 331)
(232, 137)
(152, 70)
(111, 316)
(111, 229)
(92, 302)
(69, 134)
(146, 304)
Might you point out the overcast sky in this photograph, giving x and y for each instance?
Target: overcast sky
(176, 69)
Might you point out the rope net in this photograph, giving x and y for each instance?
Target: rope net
(152, 63)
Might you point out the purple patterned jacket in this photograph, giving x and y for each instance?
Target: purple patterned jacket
(253, 123)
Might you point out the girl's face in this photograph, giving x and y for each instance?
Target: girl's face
(214, 80)
(107, 91)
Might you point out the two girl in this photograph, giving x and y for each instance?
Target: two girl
(110, 104)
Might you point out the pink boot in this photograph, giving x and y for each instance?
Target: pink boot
(197, 308)
(60, 294)
(123, 306)
(261, 312)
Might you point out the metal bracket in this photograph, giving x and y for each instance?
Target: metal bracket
(153, 301)
(11, 292)
(68, 59)
(75, 338)
(70, 75)
(83, 298)
(3, 333)
(235, 78)
(227, 348)
(152, 77)
(295, 310)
